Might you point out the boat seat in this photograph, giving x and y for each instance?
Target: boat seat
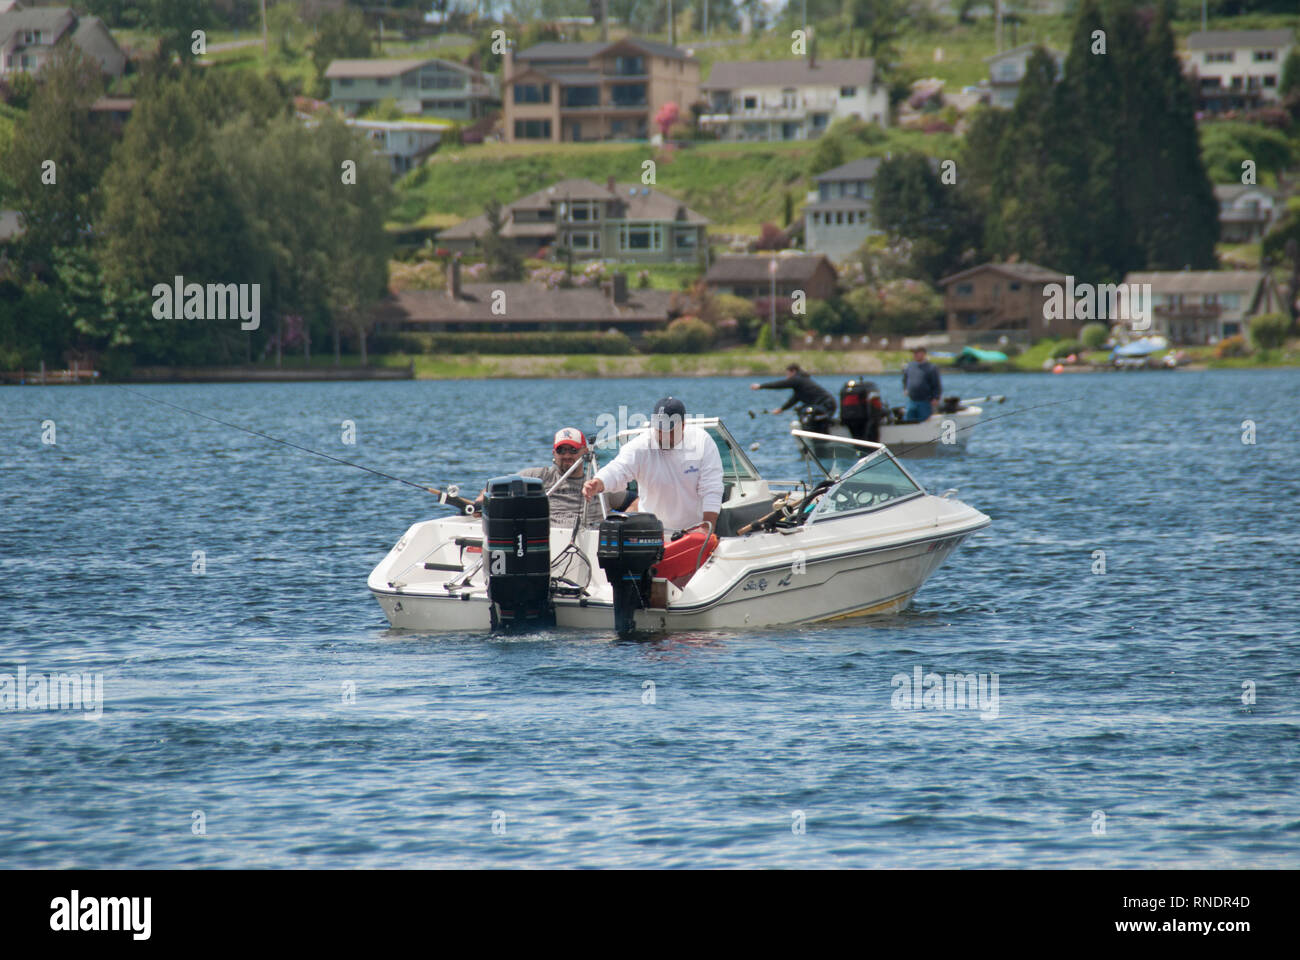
(731, 519)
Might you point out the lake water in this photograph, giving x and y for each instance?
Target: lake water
(1147, 716)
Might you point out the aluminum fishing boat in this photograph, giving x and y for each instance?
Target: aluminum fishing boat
(861, 539)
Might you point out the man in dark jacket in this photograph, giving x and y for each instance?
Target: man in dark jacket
(922, 386)
(806, 392)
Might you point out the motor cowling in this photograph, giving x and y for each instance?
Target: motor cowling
(861, 409)
(629, 545)
(517, 547)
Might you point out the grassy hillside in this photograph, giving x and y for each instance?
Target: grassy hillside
(736, 185)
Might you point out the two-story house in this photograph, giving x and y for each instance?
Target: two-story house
(994, 300)
(755, 276)
(1007, 69)
(1237, 69)
(28, 37)
(1205, 306)
(790, 99)
(1245, 211)
(838, 217)
(627, 222)
(432, 88)
(571, 92)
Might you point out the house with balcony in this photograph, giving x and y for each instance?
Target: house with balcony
(1245, 211)
(994, 300)
(1007, 69)
(1237, 69)
(626, 222)
(403, 143)
(838, 217)
(575, 92)
(431, 88)
(1206, 306)
(28, 37)
(790, 99)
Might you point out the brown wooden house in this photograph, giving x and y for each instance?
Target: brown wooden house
(1002, 299)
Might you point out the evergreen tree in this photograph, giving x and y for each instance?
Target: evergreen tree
(503, 260)
(912, 203)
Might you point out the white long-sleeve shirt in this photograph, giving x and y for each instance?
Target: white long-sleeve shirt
(678, 485)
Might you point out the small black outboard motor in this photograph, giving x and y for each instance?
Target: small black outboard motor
(861, 409)
(517, 552)
(629, 545)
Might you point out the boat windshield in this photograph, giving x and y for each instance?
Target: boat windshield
(834, 456)
(736, 466)
(877, 481)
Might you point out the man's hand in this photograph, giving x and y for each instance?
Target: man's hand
(592, 487)
(777, 410)
(754, 386)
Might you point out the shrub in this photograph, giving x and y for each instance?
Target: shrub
(684, 335)
(612, 342)
(1065, 348)
(1231, 347)
(1269, 330)
(1094, 335)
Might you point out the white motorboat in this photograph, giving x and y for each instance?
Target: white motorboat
(862, 540)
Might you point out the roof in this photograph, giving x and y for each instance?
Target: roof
(96, 39)
(553, 50)
(55, 20)
(1218, 39)
(1199, 281)
(731, 74)
(1016, 51)
(840, 203)
(862, 169)
(1029, 272)
(529, 303)
(372, 68)
(1230, 191)
(753, 269)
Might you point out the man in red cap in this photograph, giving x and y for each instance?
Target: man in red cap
(570, 446)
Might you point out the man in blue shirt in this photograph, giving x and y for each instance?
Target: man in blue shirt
(922, 386)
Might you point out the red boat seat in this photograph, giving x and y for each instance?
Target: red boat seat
(680, 556)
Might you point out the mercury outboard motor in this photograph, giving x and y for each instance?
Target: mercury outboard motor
(517, 548)
(629, 545)
(861, 409)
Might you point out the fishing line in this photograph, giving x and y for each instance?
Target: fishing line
(287, 443)
(980, 423)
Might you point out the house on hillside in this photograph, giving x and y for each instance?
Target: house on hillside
(527, 307)
(1245, 211)
(1205, 306)
(1237, 69)
(28, 36)
(994, 300)
(790, 99)
(404, 144)
(618, 221)
(838, 217)
(574, 92)
(431, 87)
(1007, 69)
(751, 276)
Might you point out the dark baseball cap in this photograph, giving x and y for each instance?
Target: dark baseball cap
(670, 407)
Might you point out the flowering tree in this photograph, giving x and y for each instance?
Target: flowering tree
(668, 115)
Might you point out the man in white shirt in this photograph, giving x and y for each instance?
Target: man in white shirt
(677, 469)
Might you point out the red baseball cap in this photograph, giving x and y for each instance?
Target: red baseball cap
(568, 435)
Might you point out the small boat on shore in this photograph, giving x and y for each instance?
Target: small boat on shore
(861, 540)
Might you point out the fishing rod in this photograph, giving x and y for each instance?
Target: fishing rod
(980, 423)
(443, 496)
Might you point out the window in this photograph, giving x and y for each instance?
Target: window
(819, 120)
(343, 81)
(789, 98)
(751, 103)
(848, 91)
(384, 81)
(817, 219)
(1226, 57)
(582, 210)
(532, 129)
(581, 96)
(640, 236)
(686, 239)
(585, 240)
(532, 93)
(410, 79)
(965, 289)
(1230, 301)
(1265, 56)
(879, 482)
(628, 95)
(1270, 81)
(1013, 287)
(629, 66)
(616, 128)
(839, 217)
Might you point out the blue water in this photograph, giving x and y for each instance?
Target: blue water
(1120, 693)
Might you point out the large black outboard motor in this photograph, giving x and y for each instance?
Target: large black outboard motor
(517, 552)
(629, 545)
(861, 409)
